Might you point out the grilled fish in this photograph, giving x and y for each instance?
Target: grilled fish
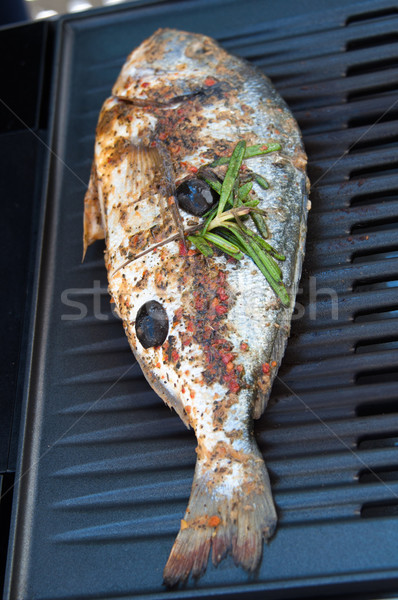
(208, 331)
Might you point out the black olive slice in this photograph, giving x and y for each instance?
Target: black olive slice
(195, 196)
(151, 324)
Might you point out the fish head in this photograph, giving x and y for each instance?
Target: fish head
(171, 65)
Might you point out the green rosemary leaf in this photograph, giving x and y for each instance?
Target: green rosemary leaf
(276, 254)
(260, 223)
(244, 190)
(209, 212)
(224, 245)
(222, 160)
(278, 287)
(261, 181)
(200, 243)
(252, 203)
(228, 234)
(268, 248)
(231, 174)
(214, 184)
(238, 234)
(263, 261)
(256, 150)
(260, 149)
(269, 263)
(260, 240)
(210, 216)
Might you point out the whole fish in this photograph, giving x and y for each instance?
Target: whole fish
(209, 332)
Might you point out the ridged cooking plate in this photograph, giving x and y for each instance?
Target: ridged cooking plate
(107, 468)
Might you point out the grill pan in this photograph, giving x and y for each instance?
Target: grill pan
(105, 469)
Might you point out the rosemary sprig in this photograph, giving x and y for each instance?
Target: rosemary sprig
(201, 244)
(231, 174)
(265, 263)
(224, 225)
(224, 245)
(250, 151)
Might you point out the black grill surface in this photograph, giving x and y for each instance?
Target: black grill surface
(105, 468)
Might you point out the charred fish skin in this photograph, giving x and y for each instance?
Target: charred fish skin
(179, 102)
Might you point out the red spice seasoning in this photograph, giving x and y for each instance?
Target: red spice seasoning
(178, 314)
(183, 249)
(234, 386)
(214, 521)
(228, 357)
(222, 294)
(211, 303)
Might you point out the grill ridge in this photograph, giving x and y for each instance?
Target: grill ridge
(372, 15)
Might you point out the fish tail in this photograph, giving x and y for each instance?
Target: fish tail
(231, 517)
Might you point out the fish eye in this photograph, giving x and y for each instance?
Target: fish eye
(151, 324)
(195, 196)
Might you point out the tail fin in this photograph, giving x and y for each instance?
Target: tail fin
(229, 518)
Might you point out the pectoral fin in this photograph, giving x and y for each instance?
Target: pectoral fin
(93, 214)
(171, 401)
